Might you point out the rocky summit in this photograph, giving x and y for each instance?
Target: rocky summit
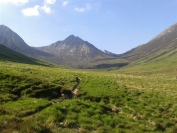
(74, 49)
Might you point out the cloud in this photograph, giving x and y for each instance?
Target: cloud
(79, 9)
(16, 2)
(65, 3)
(46, 9)
(86, 8)
(34, 11)
(49, 2)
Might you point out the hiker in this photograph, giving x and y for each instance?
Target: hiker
(78, 80)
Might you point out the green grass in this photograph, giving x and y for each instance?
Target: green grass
(163, 61)
(107, 100)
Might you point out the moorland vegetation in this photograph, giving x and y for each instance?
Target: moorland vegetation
(107, 101)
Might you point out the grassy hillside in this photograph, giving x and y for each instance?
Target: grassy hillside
(163, 61)
(106, 102)
(7, 54)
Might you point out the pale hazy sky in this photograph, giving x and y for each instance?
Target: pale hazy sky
(113, 25)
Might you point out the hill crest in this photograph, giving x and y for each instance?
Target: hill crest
(167, 39)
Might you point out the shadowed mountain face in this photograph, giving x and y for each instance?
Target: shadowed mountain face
(6, 54)
(165, 42)
(13, 41)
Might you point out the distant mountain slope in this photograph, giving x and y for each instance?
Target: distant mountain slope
(72, 52)
(73, 47)
(156, 56)
(163, 43)
(13, 41)
(75, 51)
(7, 54)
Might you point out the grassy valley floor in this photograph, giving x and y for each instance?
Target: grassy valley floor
(107, 102)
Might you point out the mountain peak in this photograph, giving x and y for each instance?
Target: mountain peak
(74, 51)
(13, 41)
(73, 40)
(71, 37)
(3, 26)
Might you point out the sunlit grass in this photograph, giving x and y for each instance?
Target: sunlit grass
(106, 102)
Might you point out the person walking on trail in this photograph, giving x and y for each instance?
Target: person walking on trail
(78, 80)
